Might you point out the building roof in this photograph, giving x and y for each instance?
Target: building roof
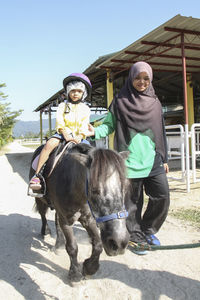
(161, 48)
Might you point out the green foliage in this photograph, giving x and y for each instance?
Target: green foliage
(7, 119)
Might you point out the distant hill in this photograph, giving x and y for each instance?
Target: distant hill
(24, 127)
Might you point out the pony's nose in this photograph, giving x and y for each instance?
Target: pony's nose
(112, 244)
(117, 246)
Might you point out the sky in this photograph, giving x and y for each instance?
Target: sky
(43, 41)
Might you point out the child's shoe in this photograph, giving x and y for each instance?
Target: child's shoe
(35, 184)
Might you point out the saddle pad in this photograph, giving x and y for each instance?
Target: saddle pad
(66, 147)
(35, 162)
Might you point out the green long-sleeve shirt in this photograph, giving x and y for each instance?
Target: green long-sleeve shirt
(143, 160)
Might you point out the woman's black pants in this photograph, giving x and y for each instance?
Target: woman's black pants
(141, 223)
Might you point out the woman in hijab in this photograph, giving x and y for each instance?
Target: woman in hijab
(135, 115)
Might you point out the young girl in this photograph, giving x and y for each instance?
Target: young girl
(136, 116)
(72, 119)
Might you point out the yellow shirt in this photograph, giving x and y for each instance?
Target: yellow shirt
(74, 118)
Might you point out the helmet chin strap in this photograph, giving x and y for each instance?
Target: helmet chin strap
(74, 102)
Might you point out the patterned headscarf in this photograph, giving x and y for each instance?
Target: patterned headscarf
(76, 85)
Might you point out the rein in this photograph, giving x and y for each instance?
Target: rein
(119, 215)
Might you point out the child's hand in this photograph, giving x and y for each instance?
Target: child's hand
(78, 139)
(91, 130)
(68, 137)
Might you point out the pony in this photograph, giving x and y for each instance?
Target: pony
(87, 185)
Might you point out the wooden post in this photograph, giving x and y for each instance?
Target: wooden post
(190, 104)
(187, 151)
(190, 101)
(109, 85)
(184, 79)
(50, 127)
(41, 130)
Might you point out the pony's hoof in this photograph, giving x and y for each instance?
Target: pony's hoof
(90, 268)
(75, 274)
(75, 277)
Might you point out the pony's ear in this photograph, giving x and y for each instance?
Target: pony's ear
(83, 159)
(124, 154)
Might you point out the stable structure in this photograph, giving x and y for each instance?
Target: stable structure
(173, 51)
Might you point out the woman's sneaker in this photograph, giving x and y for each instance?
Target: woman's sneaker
(152, 240)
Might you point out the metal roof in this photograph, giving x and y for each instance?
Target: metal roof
(162, 48)
(53, 100)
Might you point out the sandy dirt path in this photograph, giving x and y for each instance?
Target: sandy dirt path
(30, 270)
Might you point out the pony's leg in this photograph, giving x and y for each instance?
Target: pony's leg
(71, 246)
(60, 239)
(91, 265)
(42, 208)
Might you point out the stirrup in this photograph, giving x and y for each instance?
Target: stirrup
(38, 194)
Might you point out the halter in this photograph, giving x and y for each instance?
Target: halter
(119, 215)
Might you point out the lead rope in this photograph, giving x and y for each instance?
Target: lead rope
(140, 247)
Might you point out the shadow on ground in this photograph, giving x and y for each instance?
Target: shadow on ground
(20, 163)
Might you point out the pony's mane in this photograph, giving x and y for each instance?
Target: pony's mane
(104, 163)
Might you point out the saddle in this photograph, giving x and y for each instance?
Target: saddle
(47, 169)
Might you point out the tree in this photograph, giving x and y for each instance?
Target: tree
(7, 119)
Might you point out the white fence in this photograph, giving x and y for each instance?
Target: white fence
(195, 147)
(176, 147)
(184, 146)
(31, 141)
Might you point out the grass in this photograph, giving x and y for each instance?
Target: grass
(189, 215)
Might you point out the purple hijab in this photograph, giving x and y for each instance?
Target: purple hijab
(138, 111)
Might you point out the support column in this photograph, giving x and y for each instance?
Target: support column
(109, 85)
(41, 130)
(50, 127)
(187, 152)
(190, 101)
(184, 79)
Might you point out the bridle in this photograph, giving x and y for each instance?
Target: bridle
(119, 215)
